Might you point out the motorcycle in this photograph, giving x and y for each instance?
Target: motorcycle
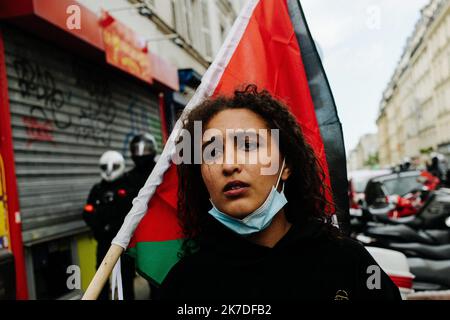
(423, 238)
(430, 275)
(385, 207)
(432, 215)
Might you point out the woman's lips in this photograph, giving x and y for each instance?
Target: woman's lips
(235, 188)
(236, 192)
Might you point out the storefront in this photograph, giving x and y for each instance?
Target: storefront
(176, 101)
(7, 270)
(65, 109)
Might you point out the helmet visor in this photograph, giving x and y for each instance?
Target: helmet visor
(142, 148)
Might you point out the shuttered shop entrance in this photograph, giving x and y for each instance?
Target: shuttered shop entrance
(65, 112)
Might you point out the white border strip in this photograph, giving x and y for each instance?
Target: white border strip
(205, 90)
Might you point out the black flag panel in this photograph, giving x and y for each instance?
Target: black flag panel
(326, 112)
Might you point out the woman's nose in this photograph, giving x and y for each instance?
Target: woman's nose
(229, 168)
(232, 161)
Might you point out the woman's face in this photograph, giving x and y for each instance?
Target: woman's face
(235, 184)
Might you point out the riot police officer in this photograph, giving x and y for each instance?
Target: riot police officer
(143, 153)
(108, 203)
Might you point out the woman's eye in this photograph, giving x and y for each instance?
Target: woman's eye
(249, 146)
(214, 154)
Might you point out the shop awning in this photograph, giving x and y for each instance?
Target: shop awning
(48, 19)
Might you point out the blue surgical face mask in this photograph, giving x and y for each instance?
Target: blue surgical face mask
(259, 219)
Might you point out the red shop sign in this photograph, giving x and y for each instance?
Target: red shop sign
(124, 50)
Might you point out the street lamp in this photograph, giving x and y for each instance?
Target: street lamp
(175, 37)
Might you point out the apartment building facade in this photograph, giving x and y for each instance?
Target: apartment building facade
(414, 117)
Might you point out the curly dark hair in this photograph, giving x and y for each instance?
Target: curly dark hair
(304, 189)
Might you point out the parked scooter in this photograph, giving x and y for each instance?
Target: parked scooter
(406, 234)
(412, 274)
(430, 275)
(396, 266)
(432, 216)
(430, 264)
(414, 237)
(424, 238)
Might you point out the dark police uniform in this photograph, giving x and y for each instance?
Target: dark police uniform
(107, 205)
(306, 264)
(135, 180)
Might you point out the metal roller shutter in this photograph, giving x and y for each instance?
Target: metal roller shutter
(65, 112)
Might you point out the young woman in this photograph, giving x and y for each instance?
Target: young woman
(254, 235)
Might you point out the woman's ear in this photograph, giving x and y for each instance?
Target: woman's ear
(286, 173)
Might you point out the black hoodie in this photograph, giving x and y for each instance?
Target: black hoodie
(307, 263)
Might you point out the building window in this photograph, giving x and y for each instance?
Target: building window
(180, 15)
(205, 30)
(174, 16)
(189, 21)
(196, 24)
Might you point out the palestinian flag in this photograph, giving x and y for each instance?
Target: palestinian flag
(157, 239)
(269, 45)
